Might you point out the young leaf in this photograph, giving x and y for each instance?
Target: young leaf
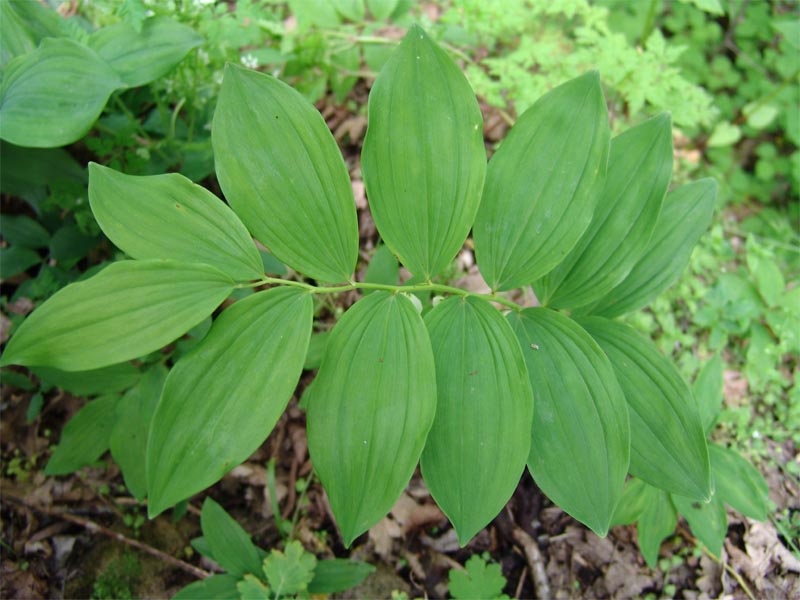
(294, 195)
(657, 521)
(128, 440)
(22, 231)
(708, 520)
(639, 169)
(85, 438)
(479, 580)
(167, 216)
(580, 437)
(289, 572)
(542, 184)
(423, 159)
(684, 217)
(114, 378)
(668, 445)
(337, 575)
(229, 543)
(370, 409)
(146, 303)
(383, 268)
(51, 96)
(219, 587)
(16, 259)
(223, 398)
(738, 483)
(140, 57)
(479, 443)
(707, 391)
(251, 587)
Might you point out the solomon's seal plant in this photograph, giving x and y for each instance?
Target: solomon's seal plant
(474, 390)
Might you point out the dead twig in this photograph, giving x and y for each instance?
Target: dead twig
(93, 527)
(535, 561)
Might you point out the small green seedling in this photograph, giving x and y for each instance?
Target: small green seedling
(479, 580)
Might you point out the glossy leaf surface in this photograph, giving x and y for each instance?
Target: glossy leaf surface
(685, 216)
(146, 303)
(370, 409)
(230, 545)
(738, 483)
(480, 440)
(639, 170)
(140, 57)
(85, 437)
(580, 436)
(283, 174)
(223, 398)
(128, 440)
(542, 184)
(51, 96)
(168, 216)
(668, 446)
(423, 159)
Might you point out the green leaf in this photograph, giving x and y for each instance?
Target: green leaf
(708, 521)
(479, 580)
(114, 378)
(70, 243)
(481, 437)
(15, 38)
(710, 6)
(543, 184)
(685, 216)
(229, 543)
(383, 268)
(293, 195)
(381, 9)
(724, 134)
(738, 483)
(251, 588)
(668, 445)
(337, 575)
(128, 440)
(657, 521)
(289, 572)
(27, 171)
(16, 259)
(168, 216)
(707, 391)
(580, 437)
(352, 10)
(22, 231)
(223, 398)
(760, 115)
(370, 409)
(52, 96)
(140, 57)
(316, 350)
(639, 169)
(423, 159)
(146, 303)
(85, 438)
(219, 587)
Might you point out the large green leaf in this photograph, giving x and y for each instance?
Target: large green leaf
(230, 545)
(221, 401)
(128, 440)
(423, 159)
(580, 436)
(168, 216)
(337, 575)
(283, 174)
(140, 57)
(370, 409)
(684, 217)
(707, 389)
(639, 169)
(738, 483)
(52, 96)
(85, 438)
(668, 444)
(128, 309)
(22, 27)
(114, 378)
(481, 436)
(542, 184)
(708, 520)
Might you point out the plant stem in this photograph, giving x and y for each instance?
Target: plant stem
(394, 289)
(648, 24)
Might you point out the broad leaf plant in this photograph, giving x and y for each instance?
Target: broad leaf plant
(474, 388)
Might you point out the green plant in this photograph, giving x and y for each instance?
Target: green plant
(478, 580)
(117, 580)
(250, 572)
(584, 218)
(737, 484)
